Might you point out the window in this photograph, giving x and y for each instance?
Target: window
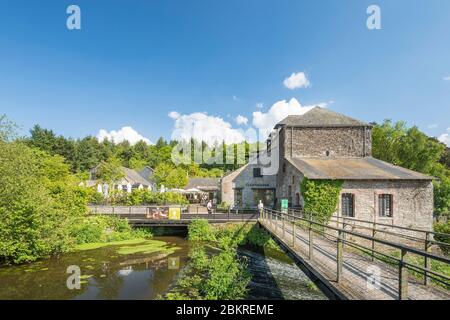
(297, 199)
(284, 167)
(293, 180)
(269, 147)
(348, 204)
(385, 202)
(238, 197)
(290, 195)
(257, 173)
(267, 196)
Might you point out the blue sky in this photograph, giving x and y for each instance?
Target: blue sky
(133, 62)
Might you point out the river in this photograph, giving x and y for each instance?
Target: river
(141, 270)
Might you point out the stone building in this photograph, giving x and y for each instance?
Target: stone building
(323, 145)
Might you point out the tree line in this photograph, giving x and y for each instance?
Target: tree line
(408, 147)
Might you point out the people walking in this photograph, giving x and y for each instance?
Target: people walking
(209, 207)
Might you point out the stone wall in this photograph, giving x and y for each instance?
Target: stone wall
(290, 177)
(243, 179)
(316, 142)
(412, 201)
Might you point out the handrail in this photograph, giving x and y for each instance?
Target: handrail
(340, 239)
(382, 224)
(385, 242)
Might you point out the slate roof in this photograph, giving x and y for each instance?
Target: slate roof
(320, 117)
(134, 177)
(203, 183)
(353, 169)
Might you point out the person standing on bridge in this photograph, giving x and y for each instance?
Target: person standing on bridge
(260, 206)
(209, 207)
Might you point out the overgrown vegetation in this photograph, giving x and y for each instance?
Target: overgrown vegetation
(445, 229)
(218, 277)
(221, 276)
(100, 229)
(42, 207)
(137, 198)
(40, 201)
(321, 197)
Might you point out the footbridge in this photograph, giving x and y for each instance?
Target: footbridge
(346, 258)
(364, 260)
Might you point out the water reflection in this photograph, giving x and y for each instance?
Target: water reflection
(108, 275)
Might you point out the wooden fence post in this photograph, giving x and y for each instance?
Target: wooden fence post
(403, 278)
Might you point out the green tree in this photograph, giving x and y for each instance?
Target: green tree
(7, 129)
(170, 176)
(110, 171)
(412, 149)
(37, 205)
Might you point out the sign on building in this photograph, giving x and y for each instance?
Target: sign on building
(174, 213)
(284, 205)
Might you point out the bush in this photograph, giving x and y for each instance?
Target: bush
(138, 198)
(39, 201)
(105, 229)
(443, 228)
(200, 230)
(221, 277)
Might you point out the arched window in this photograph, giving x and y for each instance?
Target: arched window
(297, 199)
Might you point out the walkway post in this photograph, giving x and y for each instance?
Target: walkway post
(276, 222)
(339, 257)
(293, 232)
(311, 240)
(283, 218)
(426, 259)
(373, 241)
(403, 278)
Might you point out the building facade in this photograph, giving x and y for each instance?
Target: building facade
(325, 145)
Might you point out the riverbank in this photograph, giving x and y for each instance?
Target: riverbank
(217, 270)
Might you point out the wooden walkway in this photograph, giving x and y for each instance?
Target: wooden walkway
(357, 269)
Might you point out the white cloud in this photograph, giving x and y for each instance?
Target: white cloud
(203, 127)
(124, 134)
(433, 126)
(241, 120)
(280, 110)
(174, 115)
(259, 105)
(446, 78)
(235, 98)
(445, 138)
(296, 80)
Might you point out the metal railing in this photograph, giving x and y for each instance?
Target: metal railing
(422, 238)
(143, 213)
(278, 220)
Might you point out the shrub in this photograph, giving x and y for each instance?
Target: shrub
(443, 228)
(105, 229)
(39, 201)
(200, 230)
